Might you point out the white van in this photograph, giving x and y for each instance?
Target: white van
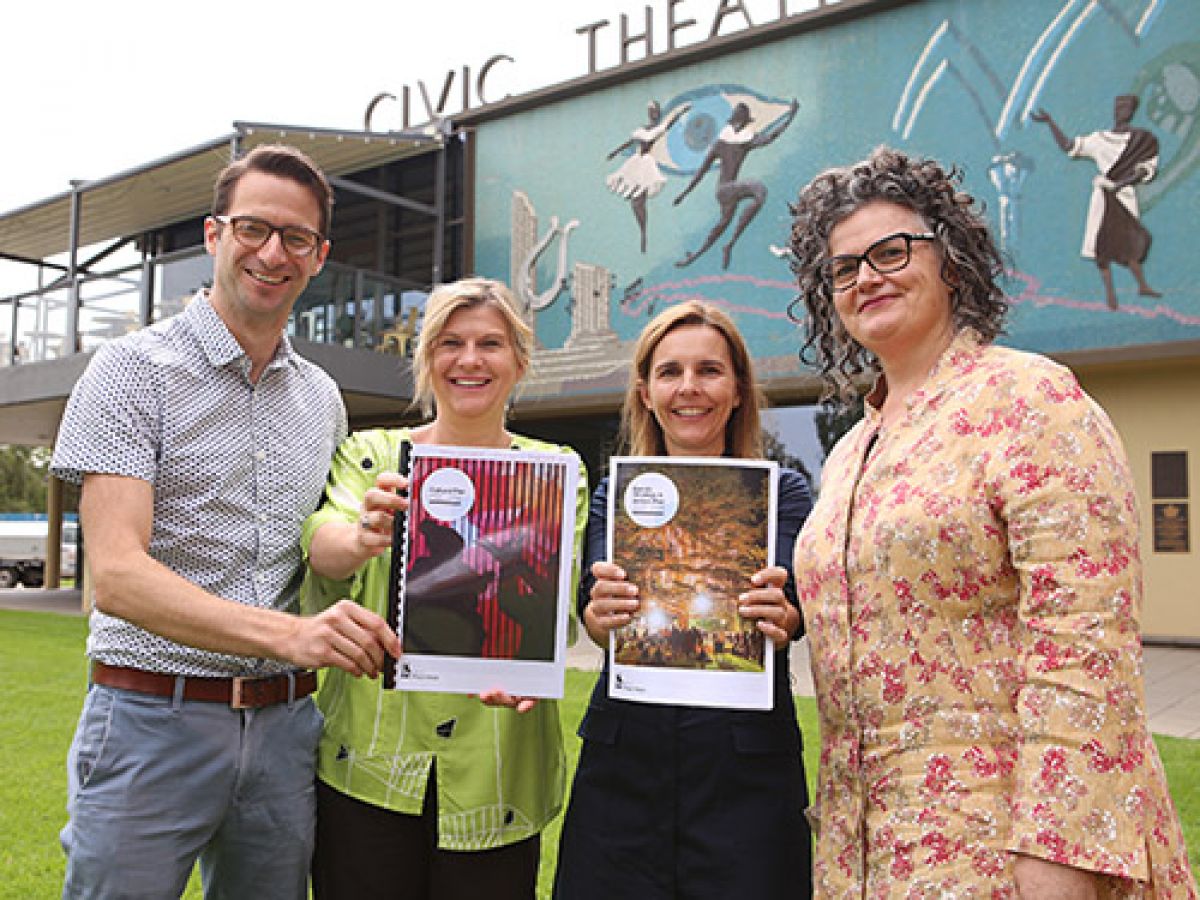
(23, 551)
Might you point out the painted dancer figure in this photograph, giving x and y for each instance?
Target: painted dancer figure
(731, 148)
(1126, 156)
(639, 177)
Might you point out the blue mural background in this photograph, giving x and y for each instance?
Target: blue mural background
(954, 80)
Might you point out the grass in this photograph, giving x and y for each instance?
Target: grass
(43, 673)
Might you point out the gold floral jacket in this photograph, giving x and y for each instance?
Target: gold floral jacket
(971, 583)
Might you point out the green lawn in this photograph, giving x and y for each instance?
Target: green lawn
(42, 670)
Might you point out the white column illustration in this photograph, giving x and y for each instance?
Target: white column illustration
(523, 225)
(524, 266)
(591, 294)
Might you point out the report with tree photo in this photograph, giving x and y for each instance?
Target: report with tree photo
(690, 533)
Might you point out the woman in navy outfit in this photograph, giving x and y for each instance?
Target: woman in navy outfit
(677, 801)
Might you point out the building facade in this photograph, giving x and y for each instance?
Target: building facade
(670, 179)
(607, 198)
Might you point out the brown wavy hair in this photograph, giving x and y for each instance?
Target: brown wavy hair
(281, 161)
(973, 265)
(641, 433)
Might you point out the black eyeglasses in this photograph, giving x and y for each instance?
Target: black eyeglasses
(888, 254)
(253, 233)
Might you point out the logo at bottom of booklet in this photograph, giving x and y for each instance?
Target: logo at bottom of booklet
(621, 683)
(407, 672)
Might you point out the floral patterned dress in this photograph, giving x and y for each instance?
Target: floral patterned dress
(971, 584)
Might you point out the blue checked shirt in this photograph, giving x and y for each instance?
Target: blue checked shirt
(236, 467)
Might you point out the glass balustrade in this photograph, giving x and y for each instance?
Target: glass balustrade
(342, 305)
(109, 306)
(7, 306)
(359, 309)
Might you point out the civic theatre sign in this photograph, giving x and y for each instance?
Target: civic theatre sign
(465, 88)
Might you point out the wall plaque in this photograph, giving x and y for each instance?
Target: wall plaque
(1171, 528)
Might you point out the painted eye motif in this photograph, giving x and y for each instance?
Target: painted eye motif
(1170, 90)
(709, 110)
(699, 132)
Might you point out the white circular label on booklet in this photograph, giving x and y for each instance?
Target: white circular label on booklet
(651, 500)
(447, 494)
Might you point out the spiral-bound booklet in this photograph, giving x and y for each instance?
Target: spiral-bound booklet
(481, 570)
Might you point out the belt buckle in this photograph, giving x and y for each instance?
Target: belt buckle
(245, 692)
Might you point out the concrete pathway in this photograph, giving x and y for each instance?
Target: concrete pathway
(59, 600)
(1172, 673)
(1173, 690)
(1172, 683)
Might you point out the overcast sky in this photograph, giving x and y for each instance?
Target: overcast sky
(95, 88)
(92, 89)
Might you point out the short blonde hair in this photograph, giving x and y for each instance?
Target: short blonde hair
(641, 433)
(445, 301)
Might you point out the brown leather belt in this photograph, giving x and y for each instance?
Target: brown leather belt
(241, 692)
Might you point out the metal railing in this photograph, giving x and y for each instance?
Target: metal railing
(342, 305)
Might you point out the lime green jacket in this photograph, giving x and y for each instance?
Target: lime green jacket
(500, 775)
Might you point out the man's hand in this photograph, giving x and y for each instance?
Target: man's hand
(346, 636)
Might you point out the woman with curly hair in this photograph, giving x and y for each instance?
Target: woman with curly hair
(969, 578)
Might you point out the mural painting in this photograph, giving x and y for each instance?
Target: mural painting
(1125, 156)
(729, 150)
(639, 177)
(989, 87)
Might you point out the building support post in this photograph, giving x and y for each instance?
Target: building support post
(360, 288)
(71, 338)
(439, 205)
(54, 517)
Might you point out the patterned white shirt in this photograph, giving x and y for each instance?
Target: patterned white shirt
(235, 466)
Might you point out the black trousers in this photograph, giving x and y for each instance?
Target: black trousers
(673, 803)
(364, 852)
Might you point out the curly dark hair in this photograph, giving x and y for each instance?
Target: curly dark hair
(973, 263)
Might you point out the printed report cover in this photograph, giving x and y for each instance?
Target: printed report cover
(481, 572)
(690, 533)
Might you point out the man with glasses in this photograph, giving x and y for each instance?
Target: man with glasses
(202, 443)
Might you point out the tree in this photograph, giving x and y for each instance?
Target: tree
(23, 474)
(775, 449)
(834, 420)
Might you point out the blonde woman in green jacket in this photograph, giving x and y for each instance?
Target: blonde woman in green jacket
(426, 795)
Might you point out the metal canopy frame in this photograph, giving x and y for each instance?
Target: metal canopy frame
(179, 187)
(114, 211)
